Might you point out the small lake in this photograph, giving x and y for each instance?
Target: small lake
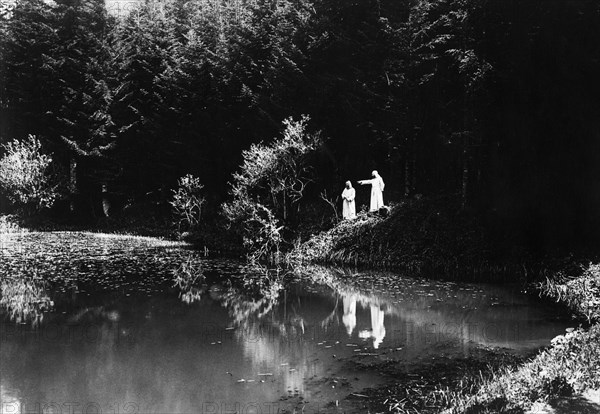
(96, 323)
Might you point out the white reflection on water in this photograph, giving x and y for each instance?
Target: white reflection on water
(377, 331)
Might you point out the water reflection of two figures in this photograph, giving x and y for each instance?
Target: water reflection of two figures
(243, 306)
(377, 331)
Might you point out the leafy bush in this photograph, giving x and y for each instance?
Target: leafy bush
(580, 293)
(26, 175)
(188, 201)
(276, 175)
(10, 224)
(271, 180)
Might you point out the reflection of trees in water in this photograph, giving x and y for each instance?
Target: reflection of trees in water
(278, 333)
(24, 297)
(271, 331)
(333, 316)
(242, 307)
(255, 297)
(187, 277)
(254, 303)
(419, 309)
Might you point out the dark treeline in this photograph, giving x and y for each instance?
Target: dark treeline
(495, 101)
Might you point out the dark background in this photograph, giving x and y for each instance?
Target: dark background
(493, 101)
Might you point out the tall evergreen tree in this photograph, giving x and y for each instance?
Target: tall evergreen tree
(144, 53)
(28, 90)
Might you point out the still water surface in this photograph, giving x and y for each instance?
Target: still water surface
(112, 324)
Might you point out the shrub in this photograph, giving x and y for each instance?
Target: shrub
(10, 224)
(26, 175)
(188, 201)
(581, 293)
(271, 180)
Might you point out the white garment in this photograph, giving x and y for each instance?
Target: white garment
(349, 206)
(377, 326)
(377, 331)
(349, 317)
(377, 186)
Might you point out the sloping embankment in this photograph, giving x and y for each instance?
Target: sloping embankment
(422, 236)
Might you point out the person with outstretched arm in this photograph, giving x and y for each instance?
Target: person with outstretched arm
(377, 186)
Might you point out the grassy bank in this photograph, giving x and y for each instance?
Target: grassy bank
(210, 235)
(568, 367)
(135, 226)
(424, 236)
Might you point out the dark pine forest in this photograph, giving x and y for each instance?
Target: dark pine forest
(493, 102)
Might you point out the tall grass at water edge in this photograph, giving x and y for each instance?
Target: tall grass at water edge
(570, 366)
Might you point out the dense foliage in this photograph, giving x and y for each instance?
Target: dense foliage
(494, 101)
(266, 191)
(580, 292)
(26, 175)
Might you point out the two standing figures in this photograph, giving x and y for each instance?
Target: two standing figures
(349, 195)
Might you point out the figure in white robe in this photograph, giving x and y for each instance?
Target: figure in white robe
(377, 326)
(349, 207)
(377, 331)
(377, 186)
(349, 317)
